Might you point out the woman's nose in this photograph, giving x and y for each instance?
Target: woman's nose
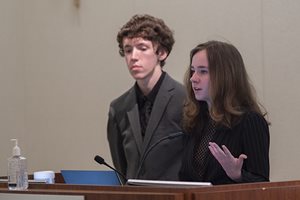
(194, 77)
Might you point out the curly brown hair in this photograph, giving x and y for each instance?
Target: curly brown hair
(149, 28)
(230, 90)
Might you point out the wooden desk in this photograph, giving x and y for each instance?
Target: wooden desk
(268, 193)
(101, 195)
(288, 190)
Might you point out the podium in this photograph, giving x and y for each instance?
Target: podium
(286, 190)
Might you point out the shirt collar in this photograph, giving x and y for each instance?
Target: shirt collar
(141, 98)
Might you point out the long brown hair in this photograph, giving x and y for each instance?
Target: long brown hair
(230, 90)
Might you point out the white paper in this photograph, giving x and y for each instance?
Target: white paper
(166, 183)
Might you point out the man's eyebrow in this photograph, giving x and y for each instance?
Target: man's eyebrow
(127, 46)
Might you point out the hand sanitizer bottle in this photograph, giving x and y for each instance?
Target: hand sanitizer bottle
(17, 170)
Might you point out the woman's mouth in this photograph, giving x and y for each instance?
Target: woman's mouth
(197, 89)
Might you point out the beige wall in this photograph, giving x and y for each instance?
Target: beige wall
(60, 68)
(12, 102)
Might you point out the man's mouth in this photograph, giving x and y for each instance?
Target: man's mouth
(135, 67)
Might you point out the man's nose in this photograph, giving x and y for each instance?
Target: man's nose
(134, 54)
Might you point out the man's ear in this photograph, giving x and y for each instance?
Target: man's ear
(162, 54)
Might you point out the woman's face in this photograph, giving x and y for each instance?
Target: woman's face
(200, 76)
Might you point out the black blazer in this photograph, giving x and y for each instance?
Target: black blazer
(250, 137)
(159, 155)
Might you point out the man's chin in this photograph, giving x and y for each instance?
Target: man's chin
(137, 76)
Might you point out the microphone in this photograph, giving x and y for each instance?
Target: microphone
(101, 161)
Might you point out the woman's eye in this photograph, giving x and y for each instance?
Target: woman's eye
(199, 71)
(192, 71)
(203, 71)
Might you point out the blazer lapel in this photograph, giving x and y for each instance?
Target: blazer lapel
(160, 104)
(134, 120)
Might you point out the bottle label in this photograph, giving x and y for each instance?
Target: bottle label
(17, 174)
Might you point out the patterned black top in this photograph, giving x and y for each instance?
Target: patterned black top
(250, 136)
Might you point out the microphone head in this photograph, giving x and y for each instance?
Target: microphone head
(99, 159)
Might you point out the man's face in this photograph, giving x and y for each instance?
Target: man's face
(141, 57)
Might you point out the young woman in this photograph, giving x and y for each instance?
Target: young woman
(228, 138)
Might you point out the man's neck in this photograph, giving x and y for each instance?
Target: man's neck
(147, 84)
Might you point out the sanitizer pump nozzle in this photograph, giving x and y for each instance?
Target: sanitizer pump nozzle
(16, 150)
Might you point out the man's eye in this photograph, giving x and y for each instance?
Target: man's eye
(142, 48)
(127, 50)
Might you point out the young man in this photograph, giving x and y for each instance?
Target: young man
(144, 126)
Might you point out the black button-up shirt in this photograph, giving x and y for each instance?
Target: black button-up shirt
(145, 103)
